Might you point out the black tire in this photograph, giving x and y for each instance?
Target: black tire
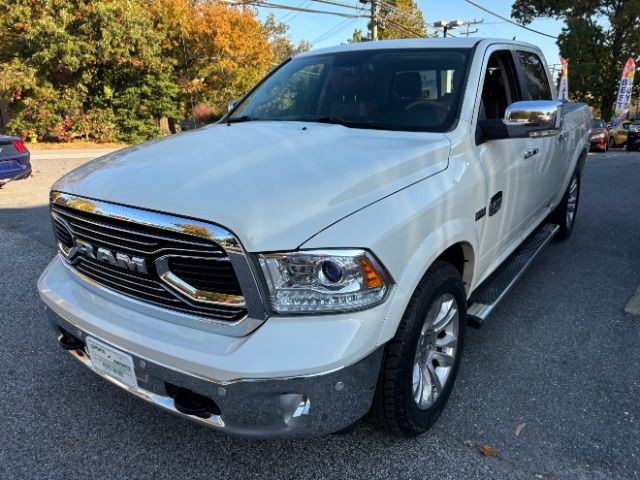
(394, 408)
(559, 215)
(612, 142)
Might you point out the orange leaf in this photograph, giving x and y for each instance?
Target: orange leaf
(489, 451)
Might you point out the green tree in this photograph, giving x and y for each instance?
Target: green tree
(280, 40)
(359, 36)
(597, 39)
(97, 69)
(219, 51)
(78, 56)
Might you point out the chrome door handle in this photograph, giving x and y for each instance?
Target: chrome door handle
(531, 153)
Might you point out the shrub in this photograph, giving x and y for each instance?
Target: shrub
(203, 112)
(97, 125)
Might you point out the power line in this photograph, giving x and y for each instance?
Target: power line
(406, 29)
(484, 9)
(261, 3)
(291, 15)
(340, 4)
(333, 30)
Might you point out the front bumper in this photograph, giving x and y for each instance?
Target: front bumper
(598, 143)
(277, 407)
(331, 361)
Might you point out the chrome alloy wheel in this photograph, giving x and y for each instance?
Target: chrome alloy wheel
(572, 201)
(436, 351)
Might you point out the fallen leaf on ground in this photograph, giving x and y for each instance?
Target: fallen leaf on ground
(489, 451)
(469, 443)
(519, 429)
(75, 441)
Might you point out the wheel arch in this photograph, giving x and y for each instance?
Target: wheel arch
(462, 257)
(582, 160)
(454, 243)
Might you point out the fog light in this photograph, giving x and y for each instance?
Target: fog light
(295, 409)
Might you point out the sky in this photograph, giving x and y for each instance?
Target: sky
(327, 30)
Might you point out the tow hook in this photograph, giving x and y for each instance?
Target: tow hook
(69, 342)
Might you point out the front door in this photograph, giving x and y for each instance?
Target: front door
(508, 163)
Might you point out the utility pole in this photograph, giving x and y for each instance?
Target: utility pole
(374, 20)
(469, 24)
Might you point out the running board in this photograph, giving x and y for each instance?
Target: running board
(485, 298)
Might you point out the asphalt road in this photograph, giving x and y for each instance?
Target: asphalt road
(559, 355)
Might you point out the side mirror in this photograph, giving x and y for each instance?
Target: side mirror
(539, 114)
(538, 118)
(231, 105)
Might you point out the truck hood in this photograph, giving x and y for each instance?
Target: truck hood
(274, 184)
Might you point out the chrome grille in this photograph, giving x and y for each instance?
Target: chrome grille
(200, 260)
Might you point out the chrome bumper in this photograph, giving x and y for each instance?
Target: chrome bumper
(278, 407)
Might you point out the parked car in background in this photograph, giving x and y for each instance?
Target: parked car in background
(633, 137)
(599, 135)
(14, 159)
(618, 135)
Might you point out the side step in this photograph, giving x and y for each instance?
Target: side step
(485, 298)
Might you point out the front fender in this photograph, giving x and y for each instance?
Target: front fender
(409, 230)
(456, 231)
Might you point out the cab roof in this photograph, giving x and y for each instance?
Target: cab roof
(414, 43)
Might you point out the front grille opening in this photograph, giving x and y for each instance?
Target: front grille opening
(210, 269)
(191, 403)
(208, 274)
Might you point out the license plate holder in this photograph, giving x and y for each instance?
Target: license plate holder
(112, 362)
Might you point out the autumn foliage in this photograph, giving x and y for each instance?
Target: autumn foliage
(111, 69)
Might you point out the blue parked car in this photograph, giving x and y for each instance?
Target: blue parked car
(14, 159)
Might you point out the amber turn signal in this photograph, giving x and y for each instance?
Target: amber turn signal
(370, 275)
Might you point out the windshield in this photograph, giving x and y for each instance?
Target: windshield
(410, 89)
(597, 123)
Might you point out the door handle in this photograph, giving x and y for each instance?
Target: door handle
(531, 153)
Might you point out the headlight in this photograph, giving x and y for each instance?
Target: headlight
(321, 281)
(598, 136)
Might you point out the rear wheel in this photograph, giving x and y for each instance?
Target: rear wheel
(565, 213)
(612, 142)
(421, 362)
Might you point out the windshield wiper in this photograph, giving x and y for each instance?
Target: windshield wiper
(354, 124)
(242, 118)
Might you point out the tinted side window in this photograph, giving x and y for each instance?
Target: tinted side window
(535, 76)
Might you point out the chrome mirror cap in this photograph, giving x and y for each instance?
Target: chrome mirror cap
(534, 113)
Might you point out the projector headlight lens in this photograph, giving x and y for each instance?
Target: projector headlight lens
(323, 281)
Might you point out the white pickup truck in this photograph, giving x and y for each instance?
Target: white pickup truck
(318, 254)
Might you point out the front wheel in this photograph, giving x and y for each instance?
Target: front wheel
(565, 213)
(612, 142)
(421, 362)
